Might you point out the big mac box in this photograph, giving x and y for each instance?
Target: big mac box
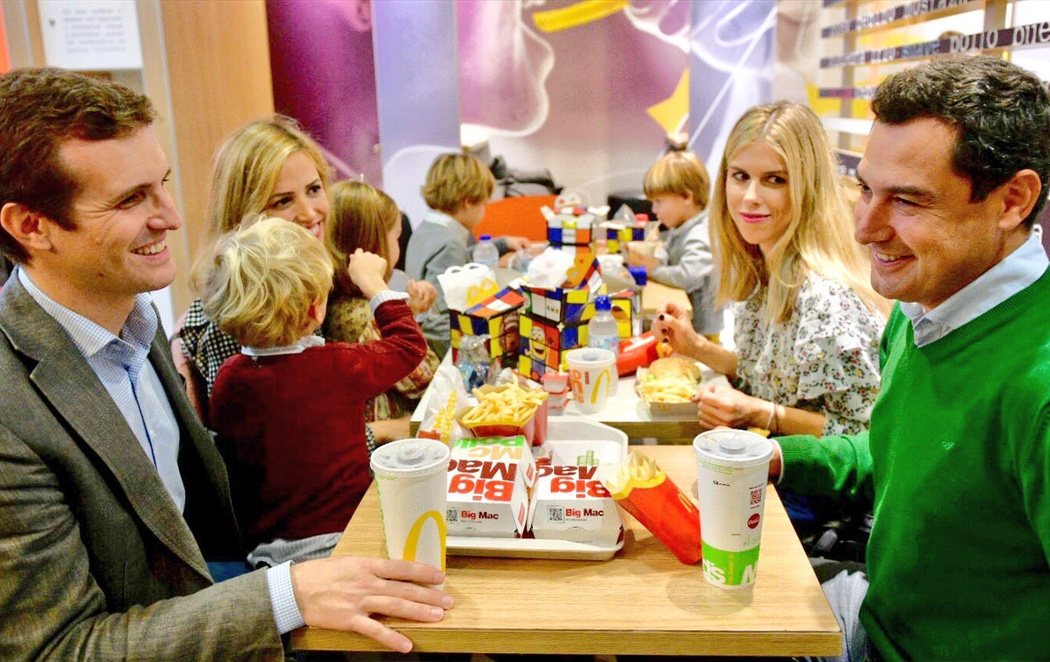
(569, 502)
(488, 481)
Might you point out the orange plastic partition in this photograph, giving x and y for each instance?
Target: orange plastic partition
(516, 216)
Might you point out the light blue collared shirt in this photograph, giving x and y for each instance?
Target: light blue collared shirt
(122, 365)
(1014, 273)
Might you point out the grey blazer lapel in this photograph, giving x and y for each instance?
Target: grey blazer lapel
(78, 398)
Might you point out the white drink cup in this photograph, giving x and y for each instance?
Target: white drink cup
(411, 475)
(731, 477)
(593, 377)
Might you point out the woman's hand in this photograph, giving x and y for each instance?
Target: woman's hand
(421, 296)
(721, 404)
(674, 324)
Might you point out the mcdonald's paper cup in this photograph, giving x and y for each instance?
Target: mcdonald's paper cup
(732, 471)
(411, 477)
(593, 377)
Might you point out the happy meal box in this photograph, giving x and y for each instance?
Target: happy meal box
(496, 317)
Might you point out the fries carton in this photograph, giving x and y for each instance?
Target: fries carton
(506, 411)
(641, 488)
(569, 502)
(496, 317)
(486, 496)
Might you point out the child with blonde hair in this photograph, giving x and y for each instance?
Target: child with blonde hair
(289, 410)
(678, 186)
(456, 189)
(364, 217)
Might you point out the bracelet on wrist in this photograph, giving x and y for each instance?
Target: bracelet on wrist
(772, 416)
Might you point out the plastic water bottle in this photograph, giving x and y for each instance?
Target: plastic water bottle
(485, 252)
(602, 329)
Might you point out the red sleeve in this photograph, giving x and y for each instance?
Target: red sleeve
(379, 364)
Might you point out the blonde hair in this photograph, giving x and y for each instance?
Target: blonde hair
(819, 235)
(678, 173)
(360, 217)
(247, 167)
(456, 180)
(264, 277)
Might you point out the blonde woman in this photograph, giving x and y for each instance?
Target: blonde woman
(363, 217)
(807, 323)
(266, 167)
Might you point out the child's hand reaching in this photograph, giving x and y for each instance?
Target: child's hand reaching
(368, 272)
(421, 295)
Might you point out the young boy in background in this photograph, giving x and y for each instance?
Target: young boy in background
(289, 410)
(678, 186)
(456, 190)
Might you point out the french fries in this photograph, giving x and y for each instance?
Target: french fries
(509, 404)
(638, 469)
(677, 388)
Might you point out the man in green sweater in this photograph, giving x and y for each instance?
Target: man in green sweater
(957, 460)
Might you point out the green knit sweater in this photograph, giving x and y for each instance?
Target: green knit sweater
(957, 464)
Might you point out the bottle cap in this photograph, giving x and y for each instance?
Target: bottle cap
(639, 274)
(641, 217)
(602, 303)
(485, 237)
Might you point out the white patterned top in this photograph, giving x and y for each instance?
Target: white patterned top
(825, 358)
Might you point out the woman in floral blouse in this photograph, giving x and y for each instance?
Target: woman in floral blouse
(807, 323)
(364, 217)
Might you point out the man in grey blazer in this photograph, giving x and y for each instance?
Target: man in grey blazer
(112, 495)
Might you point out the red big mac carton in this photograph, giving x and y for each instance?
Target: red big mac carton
(488, 483)
(569, 502)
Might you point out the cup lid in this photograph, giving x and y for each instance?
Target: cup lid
(738, 448)
(407, 458)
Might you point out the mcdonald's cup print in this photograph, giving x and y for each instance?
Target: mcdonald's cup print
(410, 475)
(593, 377)
(732, 471)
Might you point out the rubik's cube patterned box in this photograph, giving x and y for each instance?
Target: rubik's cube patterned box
(571, 227)
(496, 317)
(552, 320)
(618, 233)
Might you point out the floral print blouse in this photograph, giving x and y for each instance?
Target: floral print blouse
(825, 358)
(349, 319)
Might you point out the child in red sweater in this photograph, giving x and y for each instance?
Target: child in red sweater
(289, 409)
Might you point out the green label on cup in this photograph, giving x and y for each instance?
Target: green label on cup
(724, 568)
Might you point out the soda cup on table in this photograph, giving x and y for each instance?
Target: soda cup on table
(411, 475)
(731, 477)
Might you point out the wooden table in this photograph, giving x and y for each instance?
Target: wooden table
(641, 602)
(624, 411)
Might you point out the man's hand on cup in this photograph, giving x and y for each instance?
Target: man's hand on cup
(342, 593)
